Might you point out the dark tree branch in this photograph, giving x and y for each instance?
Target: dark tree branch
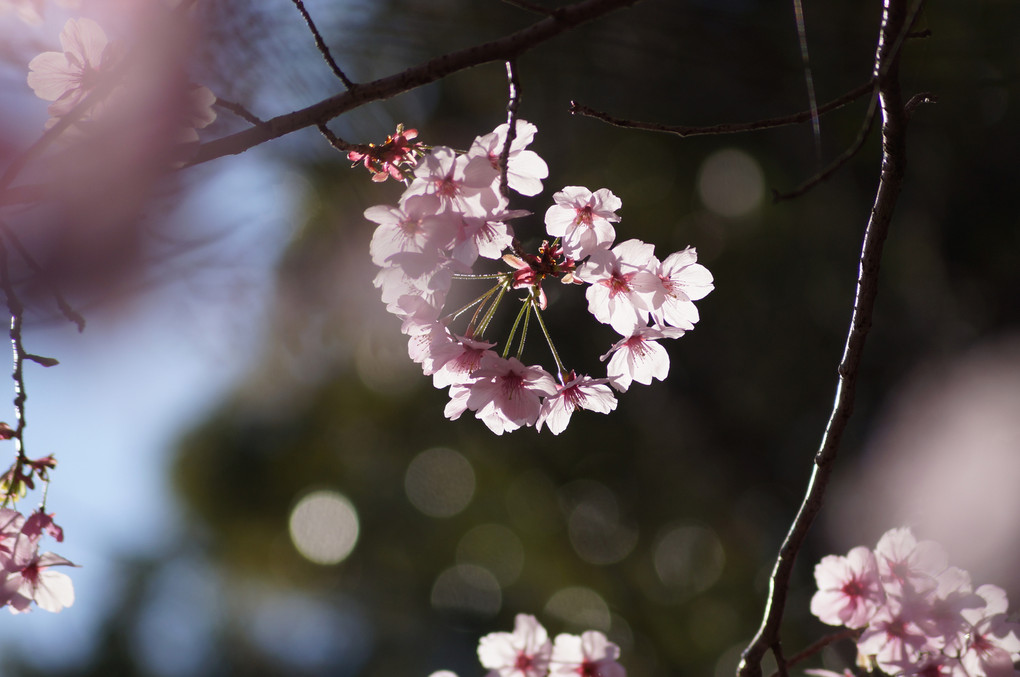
(512, 104)
(503, 49)
(321, 45)
(726, 128)
(895, 25)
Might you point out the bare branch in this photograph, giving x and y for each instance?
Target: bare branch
(817, 646)
(532, 7)
(238, 110)
(896, 22)
(837, 164)
(726, 128)
(512, 104)
(503, 49)
(321, 45)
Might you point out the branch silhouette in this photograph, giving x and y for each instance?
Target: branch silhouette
(506, 48)
(896, 23)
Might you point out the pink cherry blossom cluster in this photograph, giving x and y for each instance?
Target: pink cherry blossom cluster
(27, 576)
(917, 614)
(453, 213)
(528, 652)
(86, 63)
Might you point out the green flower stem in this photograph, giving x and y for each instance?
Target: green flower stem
(503, 289)
(548, 339)
(513, 330)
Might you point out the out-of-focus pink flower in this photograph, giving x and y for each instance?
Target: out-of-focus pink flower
(992, 643)
(579, 392)
(37, 582)
(849, 590)
(583, 219)
(523, 653)
(906, 566)
(893, 637)
(66, 77)
(590, 655)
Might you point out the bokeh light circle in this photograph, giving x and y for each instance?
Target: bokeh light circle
(439, 482)
(324, 527)
(731, 183)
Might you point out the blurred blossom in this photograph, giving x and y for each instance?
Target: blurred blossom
(947, 462)
(439, 482)
(94, 185)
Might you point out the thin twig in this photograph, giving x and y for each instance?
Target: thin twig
(532, 7)
(512, 104)
(896, 22)
(66, 309)
(238, 110)
(726, 128)
(16, 310)
(339, 143)
(321, 45)
(837, 164)
(502, 49)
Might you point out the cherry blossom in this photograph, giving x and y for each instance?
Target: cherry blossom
(390, 158)
(849, 590)
(622, 285)
(590, 655)
(918, 615)
(907, 564)
(682, 281)
(991, 643)
(413, 225)
(639, 357)
(579, 392)
(468, 185)
(26, 576)
(893, 637)
(66, 77)
(506, 394)
(583, 219)
(525, 169)
(37, 582)
(457, 361)
(523, 653)
(452, 214)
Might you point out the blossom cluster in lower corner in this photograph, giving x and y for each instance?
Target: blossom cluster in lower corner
(26, 575)
(917, 615)
(528, 652)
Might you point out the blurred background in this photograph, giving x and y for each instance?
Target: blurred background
(255, 478)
